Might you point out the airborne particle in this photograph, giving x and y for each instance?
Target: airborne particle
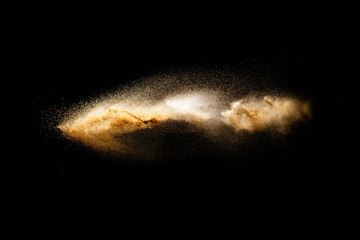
(136, 119)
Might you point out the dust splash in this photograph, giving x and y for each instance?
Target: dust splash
(103, 126)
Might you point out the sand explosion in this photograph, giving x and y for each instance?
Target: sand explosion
(102, 126)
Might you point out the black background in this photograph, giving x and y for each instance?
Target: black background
(81, 54)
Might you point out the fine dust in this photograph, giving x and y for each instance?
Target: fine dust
(119, 122)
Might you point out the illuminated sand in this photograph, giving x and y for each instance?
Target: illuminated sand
(267, 113)
(104, 125)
